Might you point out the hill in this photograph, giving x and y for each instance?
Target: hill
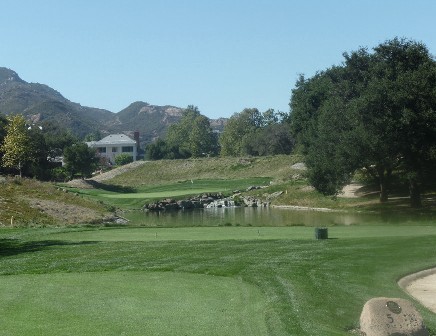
(32, 203)
(278, 167)
(152, 121)
(40, 103)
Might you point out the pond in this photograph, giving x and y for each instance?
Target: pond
(240, 216)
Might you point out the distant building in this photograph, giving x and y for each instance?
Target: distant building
(114, 145)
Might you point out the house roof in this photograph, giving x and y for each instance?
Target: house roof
(113, 139)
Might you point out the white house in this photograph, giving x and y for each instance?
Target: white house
(115, 144)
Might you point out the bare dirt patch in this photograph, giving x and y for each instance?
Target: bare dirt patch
(64, 213)
(353, 190)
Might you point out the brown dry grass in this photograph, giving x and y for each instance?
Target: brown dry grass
(27, 202)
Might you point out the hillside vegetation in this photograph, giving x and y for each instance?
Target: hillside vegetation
(32, 203)
(278, 168)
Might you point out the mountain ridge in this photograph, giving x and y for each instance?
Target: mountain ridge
(40, 103)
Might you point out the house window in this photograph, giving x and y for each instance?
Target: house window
(101, 149)
(127, 149)
(114, 149)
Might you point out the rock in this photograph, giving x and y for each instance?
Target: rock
(272, 196)
(185, 204)
(121, 220)
(223, 203)
(391, 316)
(171, 205)
(205, 201)
(299, 166)
(254, 188)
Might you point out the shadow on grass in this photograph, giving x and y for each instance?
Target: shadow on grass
(10, 247)
(111, 187)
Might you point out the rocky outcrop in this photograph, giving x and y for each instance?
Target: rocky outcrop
(197, 202)
(208, 200)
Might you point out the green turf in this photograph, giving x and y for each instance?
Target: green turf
(312, 287)
(129, 303)
(162, 194)
(238, 233)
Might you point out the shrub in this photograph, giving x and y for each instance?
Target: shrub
(123, 159)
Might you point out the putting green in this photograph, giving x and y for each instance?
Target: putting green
(129, 303)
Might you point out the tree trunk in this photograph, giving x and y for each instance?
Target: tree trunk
(384, 181)
(415, 193)
(383, 192)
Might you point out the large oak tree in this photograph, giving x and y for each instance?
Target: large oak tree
(376, 111)
(192, 136)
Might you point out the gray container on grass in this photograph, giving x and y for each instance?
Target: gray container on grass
(321, 233)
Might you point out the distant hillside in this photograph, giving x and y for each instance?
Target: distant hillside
(39, 103)
(152, 121)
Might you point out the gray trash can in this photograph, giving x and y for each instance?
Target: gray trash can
(321, 233)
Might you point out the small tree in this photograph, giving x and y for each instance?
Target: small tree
(3, 124)
(80, 159)
(16, 147)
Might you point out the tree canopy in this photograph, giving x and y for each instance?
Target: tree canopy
(375, 111)
(80, 159)
(16, 147)
(192, 136)
(251, 132)
(123, 159)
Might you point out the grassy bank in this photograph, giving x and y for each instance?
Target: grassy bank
(278, 168)
(28, 202)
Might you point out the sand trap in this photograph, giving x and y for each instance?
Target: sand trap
(422, 286)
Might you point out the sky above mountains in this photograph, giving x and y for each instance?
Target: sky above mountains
(220, 55)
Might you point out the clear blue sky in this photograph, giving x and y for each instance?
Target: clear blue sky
(220, 55)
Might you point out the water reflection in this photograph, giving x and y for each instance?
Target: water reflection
(267, 217)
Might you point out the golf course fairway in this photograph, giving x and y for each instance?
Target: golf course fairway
(129, 303)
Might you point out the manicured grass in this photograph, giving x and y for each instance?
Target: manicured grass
(129, 303)
(312, 287)
(238, 233)
(161, 194)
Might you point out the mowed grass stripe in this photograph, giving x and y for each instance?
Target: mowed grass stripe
(161, 194)
(129, 303)
(238, 233)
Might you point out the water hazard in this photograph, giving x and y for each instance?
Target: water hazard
(241, 216)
